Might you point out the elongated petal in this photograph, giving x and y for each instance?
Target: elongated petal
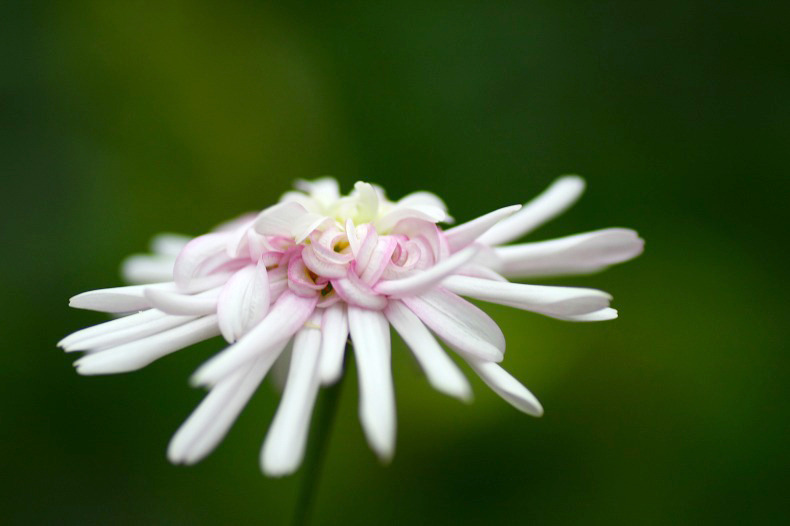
(286, 317)
(558, 302)
(459, 323)
(334, 335)
(117, 299)
(577, 254)
(371, 337)
(284, 446)
(379, 259)
(183, 304)
(136, 355)
(425, 280)
(551, 203)
(467, 233)
(210, 422)
(244, 301)
(156, 322)
(196, 255)
(502, 383)
(598, 315)
(108, 327)
(441, 371)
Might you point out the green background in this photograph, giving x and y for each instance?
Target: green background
(124, 119)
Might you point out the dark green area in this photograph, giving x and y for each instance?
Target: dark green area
(119, 120)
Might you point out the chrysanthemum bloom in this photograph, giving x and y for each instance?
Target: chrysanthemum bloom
(303, 275)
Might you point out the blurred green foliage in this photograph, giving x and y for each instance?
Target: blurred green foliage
(123, 119)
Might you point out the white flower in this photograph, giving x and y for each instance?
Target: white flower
(319, 267)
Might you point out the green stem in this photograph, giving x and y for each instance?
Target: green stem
(316, 453)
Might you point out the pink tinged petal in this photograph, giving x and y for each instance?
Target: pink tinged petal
(334, 335)
(238, 241)
(379, 259)
(183, 304)
(441, 371)
(210, 422)
(243, 302)
(278, 220)
(299, 280)
(510, 389)
(284, 446)
(140, 269)
(198, 256)
(354, 291)
(463, 326)
(467, 233)
(429, 213)
(416, 228)
(320, 265)
(371, 337)
(552, 202)
(136, 355)
(286, 317)
(424, 280)
(367, 242)
(577, 254)
(557, 302)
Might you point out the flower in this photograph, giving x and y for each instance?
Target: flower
(303, 275)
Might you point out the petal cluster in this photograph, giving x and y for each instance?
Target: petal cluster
(293, 283)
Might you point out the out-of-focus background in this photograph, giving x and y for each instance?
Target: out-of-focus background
(119, 120)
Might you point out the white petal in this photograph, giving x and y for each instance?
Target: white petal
(140, 269)
(156, 322)
(116, 299)
(464, 234)
(367, 203)
(557, 302)
(371, 337)
(577, 254)
(415, 211)
(427, 279)
(501, 382)
(210, 422)
(278, 220)
(108, 327)
(325, 190)
(334, 335)
(284, 446)
(197, 255)
(599, 315)
(459, 323)
(552, 202)
(441, 371)
(169, 244)
(286, 316)
(244, 301)
(423, 198)
(138, 354)
(183, 304)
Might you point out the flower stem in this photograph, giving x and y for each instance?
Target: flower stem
(316, 453)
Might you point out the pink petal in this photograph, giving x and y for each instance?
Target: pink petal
(424, 280)
(356, 292)
(244, 301)
(459, 323)
(286, 316)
